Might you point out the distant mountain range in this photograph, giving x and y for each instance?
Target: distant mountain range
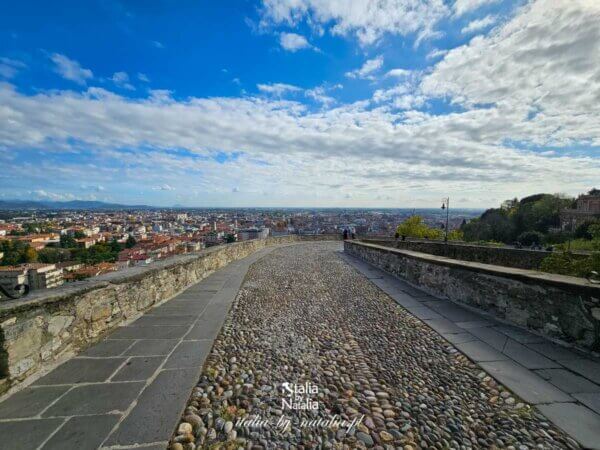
(73, 204)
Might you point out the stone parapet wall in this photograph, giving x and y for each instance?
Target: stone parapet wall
(560, 307)
(49, 325)
(520, 258)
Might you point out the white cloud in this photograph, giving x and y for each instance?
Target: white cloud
(368, 68)
(368, 20)
(70, 69)
(462, 7)
(45, 195)
(534, 80)
(319, 94)
(479, 24)
(163, 187)
(293, 42)
(121, 79)
(10, 67)
(436, 53)
(143, 77)
(398, 73)
(277, 88)
(540, 72)
(157, 44)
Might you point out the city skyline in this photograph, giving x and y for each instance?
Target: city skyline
(277, 103)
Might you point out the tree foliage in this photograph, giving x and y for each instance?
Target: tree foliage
(52, 255)
(130, 242)
(101, 252)
(416, 228)
(565, 263)
(67, 241)
(537, 213)
(16, 252)
(530, 238)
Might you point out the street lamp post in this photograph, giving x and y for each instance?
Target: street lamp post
(446, 206)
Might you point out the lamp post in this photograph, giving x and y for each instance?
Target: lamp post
(446, 206)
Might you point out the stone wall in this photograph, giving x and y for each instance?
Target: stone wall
(561, 307)
(48, 325)
(500, 256)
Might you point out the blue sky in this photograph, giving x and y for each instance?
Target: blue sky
(299, 103)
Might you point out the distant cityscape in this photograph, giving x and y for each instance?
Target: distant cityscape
(47, 245)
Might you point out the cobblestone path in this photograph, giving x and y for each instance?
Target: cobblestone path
(304, 316)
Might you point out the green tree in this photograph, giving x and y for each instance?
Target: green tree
(583, 230)
(493, 225)
(416, 228)
(115, 247)
(531, 238)
(130, 242)
(16, 252)
(67, 241)
(53, 255)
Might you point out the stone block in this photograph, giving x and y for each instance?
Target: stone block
(30, 401)
(158, 409)
(81, 370)
(526, 384)
(27, 434)
(100, 398)
(580, 422)
(82, 433)
(138, 368)
(152, 347)
(480, 351)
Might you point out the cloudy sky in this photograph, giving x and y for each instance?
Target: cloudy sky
(387, 103)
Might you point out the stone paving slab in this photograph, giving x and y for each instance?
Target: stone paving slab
(27, 434)
(459, 337)
(138, 368)
(31, 401)
(424, 313)
(568, 381)
(109, 348)
(100, 398)
(158, 408)
(527, 357)
(491, 337)
(553, 351)
(480, 351)
(525, 383)
(585, 368)
(576, 420)
(130, 388)
(82, 433)
(189, 354)
(152, 347)
(163, 332)
(522, 336)
(82, 370)
(152, 320)
(541, 372)
(590, 399)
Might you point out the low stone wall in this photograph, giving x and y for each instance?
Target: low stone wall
(557, 306)
(500, 256)
(51, 324)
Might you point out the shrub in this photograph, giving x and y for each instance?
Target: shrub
(566, 264)
(530, 238)
(584, 230)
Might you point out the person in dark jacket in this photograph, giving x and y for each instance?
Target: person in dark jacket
(345, 234)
